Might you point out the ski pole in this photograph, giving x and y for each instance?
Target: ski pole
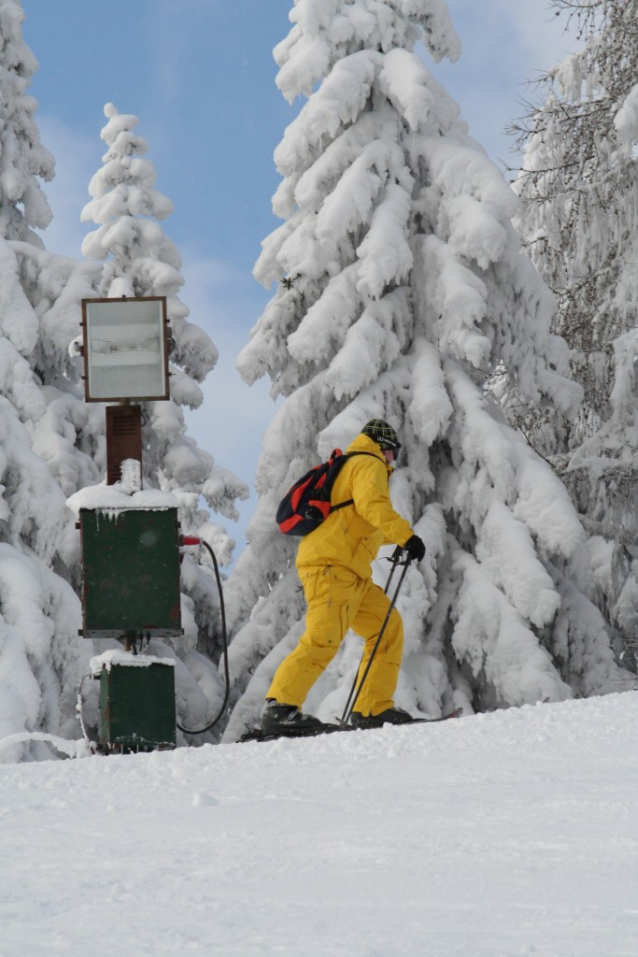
(352, 697)
(395, 558)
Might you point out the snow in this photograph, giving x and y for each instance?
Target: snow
(105, 661)
(115, 498)
(499, 835)
(626, 119)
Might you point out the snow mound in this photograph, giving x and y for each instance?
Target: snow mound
(508, 833)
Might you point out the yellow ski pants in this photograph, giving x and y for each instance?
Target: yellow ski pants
(337, 600)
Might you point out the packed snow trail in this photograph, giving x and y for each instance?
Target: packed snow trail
(514, 833)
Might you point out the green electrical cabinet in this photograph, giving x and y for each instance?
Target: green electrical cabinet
(130, 573)
(137, 706)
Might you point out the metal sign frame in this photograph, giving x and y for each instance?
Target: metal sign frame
(120, 345)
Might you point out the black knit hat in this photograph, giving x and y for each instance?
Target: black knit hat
(382, 433)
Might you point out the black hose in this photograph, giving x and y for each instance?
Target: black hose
(225, 650)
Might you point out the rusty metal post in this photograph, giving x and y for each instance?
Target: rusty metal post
(123, 438)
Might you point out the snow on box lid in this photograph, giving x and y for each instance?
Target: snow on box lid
(113, 498)
(105, 661)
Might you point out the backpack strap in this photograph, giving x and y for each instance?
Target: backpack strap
(348, 455)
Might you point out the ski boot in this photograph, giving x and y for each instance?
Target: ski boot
(282, 719)
(389, 716)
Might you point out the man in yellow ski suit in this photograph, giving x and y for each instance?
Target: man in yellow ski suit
(334, 564)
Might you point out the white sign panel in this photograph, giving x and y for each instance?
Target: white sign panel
(125, 349)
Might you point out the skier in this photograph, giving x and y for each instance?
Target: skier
(334, 564)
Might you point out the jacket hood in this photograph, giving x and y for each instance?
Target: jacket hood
(363, 443)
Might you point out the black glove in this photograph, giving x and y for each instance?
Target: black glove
(415, 549)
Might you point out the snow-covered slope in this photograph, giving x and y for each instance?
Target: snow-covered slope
(514, 833)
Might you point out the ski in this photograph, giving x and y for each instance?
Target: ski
(256, 734)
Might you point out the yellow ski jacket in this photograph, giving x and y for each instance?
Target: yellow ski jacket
(352, 536)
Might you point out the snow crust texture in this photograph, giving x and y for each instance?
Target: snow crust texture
(491, 836)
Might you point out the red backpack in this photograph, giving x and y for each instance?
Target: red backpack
(307, 504)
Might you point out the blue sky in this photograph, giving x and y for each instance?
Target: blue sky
(201, 77)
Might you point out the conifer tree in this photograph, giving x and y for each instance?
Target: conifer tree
(41, 657)
(401, 288)
(579, 191)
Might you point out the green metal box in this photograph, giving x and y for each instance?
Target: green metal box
(130, 573)
(137, 706)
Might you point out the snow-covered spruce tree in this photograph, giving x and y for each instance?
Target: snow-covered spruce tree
(140, 260)
(401, 287)
(41, 656)
(579, 191)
